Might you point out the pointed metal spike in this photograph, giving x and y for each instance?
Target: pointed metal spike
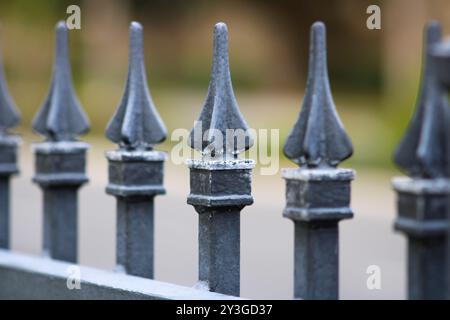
(423, 151)
(441, 55)
(220, 113)
(9, 115)
(318, 52)
(318, 138)
(136, 123)
(61, 117)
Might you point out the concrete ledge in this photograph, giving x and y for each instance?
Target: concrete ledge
(28, 277)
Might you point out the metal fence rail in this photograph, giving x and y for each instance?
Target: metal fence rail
(26, 277)
(317, 193)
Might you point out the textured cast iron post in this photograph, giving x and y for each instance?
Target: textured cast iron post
(220, 181)
(9, 118)
(440, 53)
(423, 198)
(317, 193)
(135, 169)
(60, 160)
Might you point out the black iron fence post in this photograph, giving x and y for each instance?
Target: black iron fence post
(9, 118)
(136, 170)
(220, 182)
(60, 160)
(317, 193)
(423, 199)
(440, 54)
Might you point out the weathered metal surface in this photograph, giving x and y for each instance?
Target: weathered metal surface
(60, 161)
(422, 215)
(440, 51)
(316, 200)
(220, 182)
(317, 194)
(219, 250)
(28, 277)
(136, 123)
(220, 113)
(4, 212)
(135, 170)
(9, 115)
(9, 118)
(8, 167)
(218, 196)
(316, 260)
(61, 117)
(60, 172)
(423, 152)
(422, 200)
(135, 180)
(318, 138)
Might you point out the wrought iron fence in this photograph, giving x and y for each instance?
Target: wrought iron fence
(317, 193)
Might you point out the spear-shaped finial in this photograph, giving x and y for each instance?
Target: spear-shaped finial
(423, 151)
(61, 117)
(440, 53)
(9, 116)
(318, 138)
(221, 128)
(136, 123)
